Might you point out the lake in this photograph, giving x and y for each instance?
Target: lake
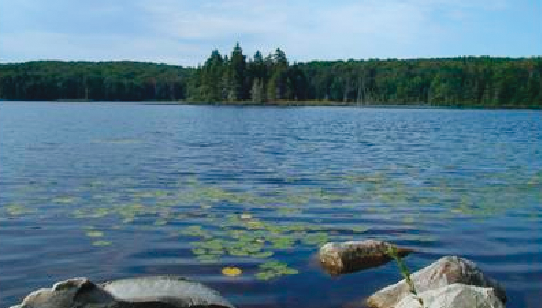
(107, 190)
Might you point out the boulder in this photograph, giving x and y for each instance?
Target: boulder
(62, 295)
(445, 271)
(349, 257)
(175, 291)
(454, 296)
(145, 292)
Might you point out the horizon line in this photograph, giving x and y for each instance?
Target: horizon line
(292, 62)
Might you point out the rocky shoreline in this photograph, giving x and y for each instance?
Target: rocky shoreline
(450, 282)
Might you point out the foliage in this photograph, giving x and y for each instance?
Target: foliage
(103, 81)
(274, 269)
(458, 82)
(465, 81)
(102, 243)
(392, 251)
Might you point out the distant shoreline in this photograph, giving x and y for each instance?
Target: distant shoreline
(461, 82)
(281, 104)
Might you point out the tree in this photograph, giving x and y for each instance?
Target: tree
(237, 66)
(212, 83)
(258, 77)
(464, 81)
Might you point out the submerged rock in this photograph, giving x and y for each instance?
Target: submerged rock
(445, 271)
(454, 296)
(348, 257)
(147, 292)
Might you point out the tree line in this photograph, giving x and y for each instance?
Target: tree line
(464, 81)
(103, 81)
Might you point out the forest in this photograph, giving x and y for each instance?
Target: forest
(101, 81)
(481, 81)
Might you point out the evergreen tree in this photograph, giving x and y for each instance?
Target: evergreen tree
(212, 78)
(464, 81)
(237, 67)
(258, 78)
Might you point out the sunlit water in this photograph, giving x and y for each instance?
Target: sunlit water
(110, 191)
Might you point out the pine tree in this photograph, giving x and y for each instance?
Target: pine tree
(237, 66)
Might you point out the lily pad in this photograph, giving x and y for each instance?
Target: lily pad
(274, 269)
(64, 200)
(95, 233)
(17, 210)
(102, 243)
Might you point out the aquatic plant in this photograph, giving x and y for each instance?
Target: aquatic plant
(233, 221)
(102, 243)
(94, 233)
(231, 271)
(405, 272)
(65, 199)
(16, 210)
(274, 269)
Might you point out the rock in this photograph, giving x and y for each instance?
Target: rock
(446, 271)
(348, 257)
(146, 292)
(175, 291)
(454, 296)
(61, 295)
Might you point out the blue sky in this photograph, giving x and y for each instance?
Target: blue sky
(186, 31)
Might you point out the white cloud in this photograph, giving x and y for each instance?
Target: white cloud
(60, 46)
(353, 29)
(185, 31)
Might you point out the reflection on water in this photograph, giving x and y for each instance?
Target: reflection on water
(241, 198)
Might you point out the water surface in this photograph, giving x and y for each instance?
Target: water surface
(111, 191)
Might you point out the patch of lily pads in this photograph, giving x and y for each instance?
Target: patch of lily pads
(17, 210)
(274, 269)
(262, 222)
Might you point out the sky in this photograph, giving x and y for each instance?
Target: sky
(184, 32)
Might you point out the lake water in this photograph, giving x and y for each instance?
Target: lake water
(118, 190)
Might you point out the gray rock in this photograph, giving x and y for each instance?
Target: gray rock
(446, 271)
(176, 291)
(348, 257)
(454, 296)
(145, 292)
(61, 295)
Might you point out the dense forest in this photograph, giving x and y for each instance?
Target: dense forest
(464, 81)
(103, 81)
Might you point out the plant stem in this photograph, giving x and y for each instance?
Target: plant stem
(392, 252)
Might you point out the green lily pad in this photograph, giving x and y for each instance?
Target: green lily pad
(95, 233)
(274, 269)
(102, 243)
(17, 210)
(64, 200)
